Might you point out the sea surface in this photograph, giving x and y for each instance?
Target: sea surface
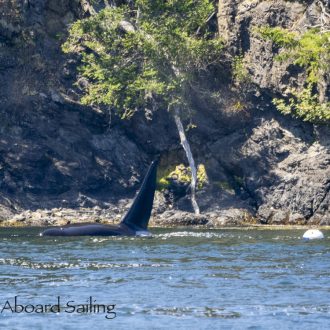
(178, 279)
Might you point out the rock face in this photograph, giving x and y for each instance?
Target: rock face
(289, 176)
(53, 151)
(56, 154)
(238, 22)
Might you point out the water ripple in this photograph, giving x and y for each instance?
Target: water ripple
(198, 279)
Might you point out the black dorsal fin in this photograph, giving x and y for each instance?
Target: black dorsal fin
(137, 217)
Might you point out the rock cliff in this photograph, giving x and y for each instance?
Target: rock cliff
(55, 153)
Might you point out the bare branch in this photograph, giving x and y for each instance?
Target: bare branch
(207, 20)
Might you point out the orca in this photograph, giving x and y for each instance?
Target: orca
(134, 223)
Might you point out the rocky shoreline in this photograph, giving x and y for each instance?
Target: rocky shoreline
(171, 218)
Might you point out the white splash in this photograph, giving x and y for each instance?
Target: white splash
(143, 233)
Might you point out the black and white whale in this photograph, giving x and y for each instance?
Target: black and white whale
(134, 223)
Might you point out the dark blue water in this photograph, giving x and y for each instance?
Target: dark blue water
(180, 279)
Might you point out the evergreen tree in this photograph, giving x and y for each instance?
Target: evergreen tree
(146, 56)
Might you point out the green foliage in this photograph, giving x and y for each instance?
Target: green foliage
(239, 106)
(202, 178)
(279, 36)
(145, 55)
(182, 174)
(311, 51)
(240, 72)
(305, 104)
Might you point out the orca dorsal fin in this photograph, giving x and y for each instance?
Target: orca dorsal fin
(137, 217)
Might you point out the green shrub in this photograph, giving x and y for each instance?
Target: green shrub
(311, 51)
(240, 71)
(146, 55)
(181, 174)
